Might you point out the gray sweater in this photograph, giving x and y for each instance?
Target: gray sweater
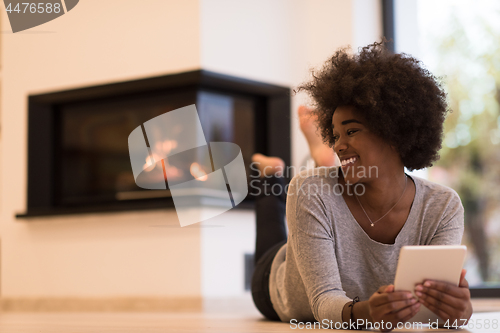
(329, 259)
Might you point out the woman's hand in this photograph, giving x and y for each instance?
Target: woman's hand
(392, 306)
(446, 300)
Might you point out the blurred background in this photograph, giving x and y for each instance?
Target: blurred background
(459, 41)
(142, 259)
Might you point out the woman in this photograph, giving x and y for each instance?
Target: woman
(380, 112)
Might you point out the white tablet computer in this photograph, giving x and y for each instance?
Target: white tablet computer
(428, 262)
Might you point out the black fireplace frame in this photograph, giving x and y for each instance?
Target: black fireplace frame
(273, 101)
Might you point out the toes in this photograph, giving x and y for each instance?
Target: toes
(257, 157)
(268, 165)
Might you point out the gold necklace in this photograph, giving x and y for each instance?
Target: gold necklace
(369, 219)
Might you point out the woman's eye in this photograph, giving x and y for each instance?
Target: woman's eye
(351, 132)
(335, 138)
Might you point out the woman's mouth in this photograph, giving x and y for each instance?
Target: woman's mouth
(349, 162)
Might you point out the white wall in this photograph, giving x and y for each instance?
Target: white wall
(147, 253)
(102, 255)
(367, 22)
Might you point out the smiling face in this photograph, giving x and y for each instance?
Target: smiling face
(364, 156)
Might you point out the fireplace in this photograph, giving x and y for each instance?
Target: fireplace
(78, 157)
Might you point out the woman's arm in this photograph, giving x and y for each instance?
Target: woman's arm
(385, 306)
(312, 242)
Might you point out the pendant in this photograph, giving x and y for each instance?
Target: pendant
(372, 224)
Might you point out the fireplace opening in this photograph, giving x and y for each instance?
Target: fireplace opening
(78, 157)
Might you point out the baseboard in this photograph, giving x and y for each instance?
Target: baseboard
(127, 304)
(485, 304)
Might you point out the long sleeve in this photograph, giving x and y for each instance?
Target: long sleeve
(312, 241)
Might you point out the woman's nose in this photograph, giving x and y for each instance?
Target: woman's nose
(340, 145)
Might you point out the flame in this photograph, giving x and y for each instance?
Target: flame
(197, 172)
(173, 171)
(168, 145)
(165, 147)
(150, 163)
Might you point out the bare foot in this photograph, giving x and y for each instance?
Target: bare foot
(268, 166)
(322, 155)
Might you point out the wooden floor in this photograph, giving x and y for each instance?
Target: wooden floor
(221, 317)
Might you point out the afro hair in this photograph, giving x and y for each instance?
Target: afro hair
(401, 101)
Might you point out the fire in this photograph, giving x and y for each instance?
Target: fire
(166, 146)
(150, 163)
(197, 172)
(173, 171)
(163, 148)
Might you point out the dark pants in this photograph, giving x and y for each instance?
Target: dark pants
(271, 235)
